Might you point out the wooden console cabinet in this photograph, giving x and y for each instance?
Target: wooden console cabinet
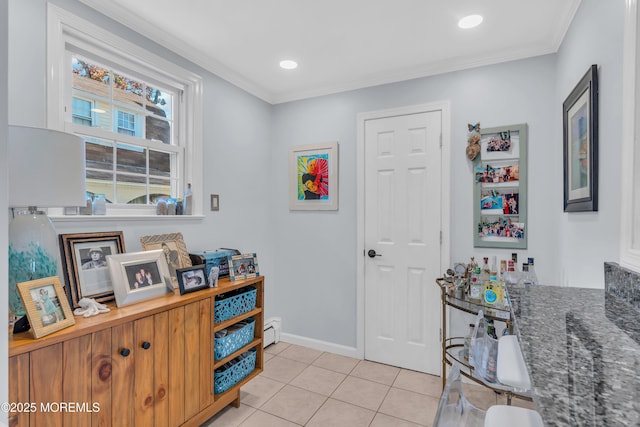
(148, 364)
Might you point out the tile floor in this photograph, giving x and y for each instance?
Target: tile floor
(304, 387)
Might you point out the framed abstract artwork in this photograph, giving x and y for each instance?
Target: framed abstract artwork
(580, 136)
(313, 177)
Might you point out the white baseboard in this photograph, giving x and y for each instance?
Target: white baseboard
(315, 344)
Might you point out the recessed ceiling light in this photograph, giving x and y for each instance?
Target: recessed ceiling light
(288, 64)
(470, 21)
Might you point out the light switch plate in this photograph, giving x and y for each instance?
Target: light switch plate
(215, 202)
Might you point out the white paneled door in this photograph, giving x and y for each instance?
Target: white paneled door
(402, 221)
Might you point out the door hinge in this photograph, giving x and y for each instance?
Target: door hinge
(440, 140)
(441, 237)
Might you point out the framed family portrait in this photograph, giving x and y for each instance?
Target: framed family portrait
(46, 305)
(138, 276)
(84, 259)
(580, 138)
(192, 279)
(243, 266)
(500, 188)
(173, 249)
(313, 177)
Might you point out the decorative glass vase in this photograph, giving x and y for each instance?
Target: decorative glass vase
(32, 252)
(99, 204)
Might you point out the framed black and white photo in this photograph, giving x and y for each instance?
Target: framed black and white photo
(192, 279)
(84, 259)
(580, 137)
(139, 276)
(173, 248)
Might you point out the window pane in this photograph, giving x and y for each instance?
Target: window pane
(100, 183)
(158, 129)
(159, 163)
(159, 102)
(131, 189)
(99, 154)
(131, 159)
(90, 90)
(126, 123)
(159, 188)
(128, 92)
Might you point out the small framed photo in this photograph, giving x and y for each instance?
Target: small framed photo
(192, 279)
(243, 266)
(313, 177)
(173, 248)
(84, 259)
(46, 305)
(138, 276)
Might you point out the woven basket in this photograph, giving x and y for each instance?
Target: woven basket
(228, 344)
(224, 380)
(235, 305)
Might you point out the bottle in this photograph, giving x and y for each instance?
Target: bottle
(161, 206)
(476, 287)
(88, 208)
(526, 278)
(188, 205)
(171, 206)
(485, 270)
(99, 205)
(532, 272)
(466, 354)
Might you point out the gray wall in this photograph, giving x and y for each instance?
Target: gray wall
(587, 240)
(309, 258)
(237, 133)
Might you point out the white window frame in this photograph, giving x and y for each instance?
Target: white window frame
(630, 187)
(66, 29)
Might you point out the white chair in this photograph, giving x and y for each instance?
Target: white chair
(512, 371)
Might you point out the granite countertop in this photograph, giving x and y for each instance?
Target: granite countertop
(582, 350)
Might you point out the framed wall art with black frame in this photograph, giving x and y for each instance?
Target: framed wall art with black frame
(84, 258)
(500, 188)
(580, 136)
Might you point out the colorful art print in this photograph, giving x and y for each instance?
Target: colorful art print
(243, 266)
(313, 177)
(46, 306)
(138, 276)
(497, 174)
(500, 227)
(84, 258)
(500, 141)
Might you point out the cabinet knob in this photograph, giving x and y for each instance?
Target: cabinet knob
(146, 345)
(125, 352)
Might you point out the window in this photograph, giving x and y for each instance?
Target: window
(140, 115)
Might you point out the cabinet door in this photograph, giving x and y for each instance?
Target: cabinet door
(45, 384)
(19, 388)
(122, 360)
(144, 370)
(160, 347)
(101, 368)
(76, 380)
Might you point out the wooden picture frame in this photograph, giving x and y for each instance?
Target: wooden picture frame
(313, 177)
(243, 266)
(192, 279)
(138, 276)
(174, 249)
(86, 277)
(500, 188)
(46, 305)
(580, 140)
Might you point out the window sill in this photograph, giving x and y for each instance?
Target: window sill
(108, 218)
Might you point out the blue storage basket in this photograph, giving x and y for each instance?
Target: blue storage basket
(231, 376)
(235, 305)
(226, 345)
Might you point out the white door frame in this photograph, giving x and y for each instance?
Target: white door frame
(445, 205)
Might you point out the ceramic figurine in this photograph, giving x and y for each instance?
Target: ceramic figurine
(213, 277)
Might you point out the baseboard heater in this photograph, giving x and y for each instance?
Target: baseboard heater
(272, 329)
